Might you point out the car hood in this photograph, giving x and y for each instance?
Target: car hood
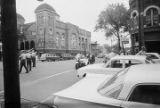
(98, 69)
(86, 89)
(93, 66)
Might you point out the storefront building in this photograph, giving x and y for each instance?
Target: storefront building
(151, 24)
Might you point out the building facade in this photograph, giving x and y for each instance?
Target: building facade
(50, 35)
(150, 23)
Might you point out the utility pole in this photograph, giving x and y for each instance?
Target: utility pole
(10, 54)
(44, 42)
(141, 25)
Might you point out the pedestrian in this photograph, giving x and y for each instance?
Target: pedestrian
(89, 59)
(22, 59)
(93, 59)
(29, 61)
(33, 56)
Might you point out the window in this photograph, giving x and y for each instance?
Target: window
(152, 56)
(152, 17)
(146, 94)
(132, 62)
(57, 40)
(73, 39)
(112, 88)
(63, 41)
(115, 64)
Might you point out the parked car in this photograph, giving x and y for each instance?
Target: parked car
(109, 56)
(81, 63)
(114, 65)
(100, 56)
(49, 57)
(154, 56)
(67, 56)
(135, 87)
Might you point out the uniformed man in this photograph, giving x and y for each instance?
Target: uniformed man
(33, 58)
(23, 58)
(29, 61)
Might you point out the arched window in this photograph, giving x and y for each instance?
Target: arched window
(63, 41)
(22, 47)
(26, 45)
(79, 42)
(73, 39)
(86, 47)
(32, 44)
(57, 40)
(152, 17)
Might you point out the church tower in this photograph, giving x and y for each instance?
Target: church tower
(45, 22)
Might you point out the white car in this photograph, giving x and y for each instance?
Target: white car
(154, 56)
(114, 65)
(135, 87)
(49, 57)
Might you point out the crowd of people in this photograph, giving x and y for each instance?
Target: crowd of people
(27, 59)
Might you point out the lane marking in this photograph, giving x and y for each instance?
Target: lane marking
(42, 79)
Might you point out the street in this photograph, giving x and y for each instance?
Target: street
(45, 79)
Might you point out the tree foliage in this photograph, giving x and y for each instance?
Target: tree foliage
(113, 21)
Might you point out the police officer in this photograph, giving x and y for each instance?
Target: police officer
(29, 61)
(22, 58)
(33, 54)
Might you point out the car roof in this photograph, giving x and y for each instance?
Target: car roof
(138, 57)
(144, 73)
(152, 53)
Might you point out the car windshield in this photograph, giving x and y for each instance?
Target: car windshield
(149, 60)
(152, 56)
(112, 87)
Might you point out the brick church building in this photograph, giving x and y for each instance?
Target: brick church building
(49, 34)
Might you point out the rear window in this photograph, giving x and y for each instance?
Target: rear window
(132, 62)
(112, 87)
(149, 60)
(151, 56)
(149, 94)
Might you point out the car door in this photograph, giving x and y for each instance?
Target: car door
(127, 104)
(143, 96)
(115, 65)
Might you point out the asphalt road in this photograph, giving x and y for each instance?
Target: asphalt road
(45, 79)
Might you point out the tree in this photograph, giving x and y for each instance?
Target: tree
(107, 48)
(113, 21)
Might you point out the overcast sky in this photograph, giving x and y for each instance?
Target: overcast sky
(83, 13)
